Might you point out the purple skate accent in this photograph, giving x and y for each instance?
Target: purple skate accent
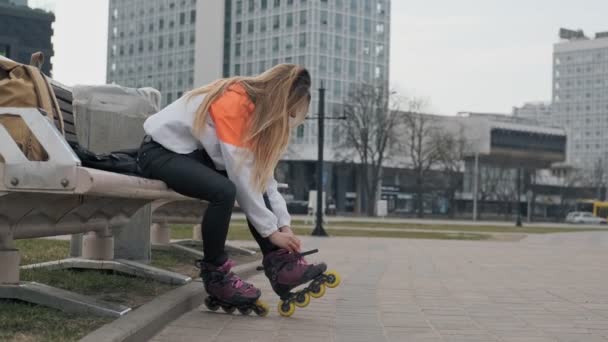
(227, 286)
(288, 270)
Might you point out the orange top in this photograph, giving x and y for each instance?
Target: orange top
(231, 113)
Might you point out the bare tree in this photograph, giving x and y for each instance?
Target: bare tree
(451, 148)
(419, 131)
(369, 129)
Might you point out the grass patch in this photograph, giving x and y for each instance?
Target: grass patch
(34, 251)
(22, 322)
(241, 232)
(435, 227)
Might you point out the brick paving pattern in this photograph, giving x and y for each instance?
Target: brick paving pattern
(543, 288)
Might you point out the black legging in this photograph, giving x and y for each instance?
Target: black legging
(194, 175)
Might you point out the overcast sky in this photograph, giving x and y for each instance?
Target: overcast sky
(464, 55)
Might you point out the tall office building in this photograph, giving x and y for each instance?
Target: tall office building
(341, 42)
(151, 44)
(24, 31)
(176, 45)
(580, 96)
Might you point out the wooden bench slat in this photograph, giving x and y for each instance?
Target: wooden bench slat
(63, 94)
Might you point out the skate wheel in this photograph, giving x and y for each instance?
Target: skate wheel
(286, 309)
(317, 290)
(261, 309)
(302, 299)
(211, 304)
(245, 311)
(228, 309)
(332, 279)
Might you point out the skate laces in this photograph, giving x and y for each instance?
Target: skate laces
(237, 282)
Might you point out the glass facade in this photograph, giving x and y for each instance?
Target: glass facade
(151, 44)
(340, 42)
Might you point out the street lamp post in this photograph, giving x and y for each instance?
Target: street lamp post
(518, 221)
(319, 231)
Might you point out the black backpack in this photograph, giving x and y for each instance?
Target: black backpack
(123, 161)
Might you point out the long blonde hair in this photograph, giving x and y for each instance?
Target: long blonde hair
(277, 94)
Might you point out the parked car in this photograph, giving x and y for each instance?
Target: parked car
(584, 217)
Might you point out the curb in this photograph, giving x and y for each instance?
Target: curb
(145, 322)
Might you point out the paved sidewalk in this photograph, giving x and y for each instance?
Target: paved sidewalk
(543, 288)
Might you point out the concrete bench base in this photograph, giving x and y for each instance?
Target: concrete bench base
(128, 267)
(67, 301)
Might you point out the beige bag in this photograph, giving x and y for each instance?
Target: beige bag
(26, 86)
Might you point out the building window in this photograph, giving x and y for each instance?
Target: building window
(276, 22)
(352, 69)
(302, 43)
(192, 16)
(289, 2)
(181, 39)
(323, 64)
(379, 50)
(353, 4)
(262, 66)
(290, 20)
(239, 7)
(300, 132)
(380, 8)
(264, 4)
(289, 42)
(277, 3)
(249, 48)
(338, 44)
(353, 47)
(262, 45)
(239, 27)
(249, 69)
(366, 49)
(237, 49)
(338, 21)
(380, 28)
(302, 60)
(192, 38)
(275, 44)
(263, 25)
(302, 18)
(150, 28)
(182, 18)
(367, 25)
(378, 72)
(323, 40)
(250, 26)
(337, 66)
(323, 17)
(161, 24)
(353, 24)
(237, 69)
(251, 6)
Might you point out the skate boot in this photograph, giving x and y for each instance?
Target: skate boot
(228, 291)
(287, 270)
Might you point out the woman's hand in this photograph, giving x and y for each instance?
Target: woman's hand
(287, 229)
(286, 241)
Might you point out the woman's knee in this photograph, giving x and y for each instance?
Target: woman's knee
(226, 194)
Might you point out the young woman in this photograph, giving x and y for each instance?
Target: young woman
(222, 142)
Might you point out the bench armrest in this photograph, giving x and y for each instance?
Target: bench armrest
(19, 173)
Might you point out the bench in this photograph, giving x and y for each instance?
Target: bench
(59, 196)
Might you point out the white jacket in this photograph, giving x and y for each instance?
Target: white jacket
(222, 139)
